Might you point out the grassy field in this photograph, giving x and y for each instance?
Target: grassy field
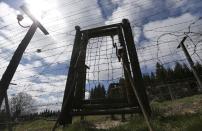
(179, 115)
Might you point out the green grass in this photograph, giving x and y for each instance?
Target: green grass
(169, 123)
(179, 115)
(35, 125)
(185, 105)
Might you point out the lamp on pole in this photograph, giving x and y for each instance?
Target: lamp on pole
(10, 70)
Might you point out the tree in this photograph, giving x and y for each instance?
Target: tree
(147, 79)
(98, 92)
(21, 104)
(169, 74)
(178, 71)
(160, 73)
(114, 91)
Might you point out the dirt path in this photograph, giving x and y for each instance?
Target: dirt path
(108, 124)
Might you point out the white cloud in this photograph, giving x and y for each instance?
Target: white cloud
(167, 48)
(45, 71)
(34, 73)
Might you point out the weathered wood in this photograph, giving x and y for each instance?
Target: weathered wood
(102, 33)
(75, 84)
(74, 91)
(136, 71)
(15, 60)
(80, 88)
(102, 27)
(129, 90)
(104, 101)
(104, 106)
(191, 63)
(106, 112)
(8, 113)
(64, 117)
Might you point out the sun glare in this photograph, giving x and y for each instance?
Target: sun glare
(38, 8)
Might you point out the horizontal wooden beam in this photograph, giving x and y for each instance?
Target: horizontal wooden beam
(103, 27)
(106, 112)
(105, 106)
(104, 101)
(102, 33)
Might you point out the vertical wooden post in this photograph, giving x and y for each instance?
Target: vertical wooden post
(65, 117)
(129, 41)
(191, 63)
(80, 88)
(8, 112)
(170, 92)
(73, 84)
(129, 90)
(123, 118)
(10, 70)
(136, 71)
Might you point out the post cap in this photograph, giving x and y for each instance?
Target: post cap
(77, 27)
(125, 21)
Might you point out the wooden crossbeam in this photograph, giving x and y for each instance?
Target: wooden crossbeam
(106, 112)
(104, 101)
(104, 106)
(74, 106)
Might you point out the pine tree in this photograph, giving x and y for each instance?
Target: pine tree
(98, 92)
(169, 74)
(160, 72)
(178, 71)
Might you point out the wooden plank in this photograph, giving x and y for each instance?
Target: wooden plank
(129, 90)
(8, 113)
(81, 68)
(102, 33)
(104, 101)
(102, 27)
(136, 71)
(64, 117)
(105, 106)
(15, 60)
(106, 112)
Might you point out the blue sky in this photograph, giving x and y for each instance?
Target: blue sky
(46, 71)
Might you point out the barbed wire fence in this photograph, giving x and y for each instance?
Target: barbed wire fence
(54, 57)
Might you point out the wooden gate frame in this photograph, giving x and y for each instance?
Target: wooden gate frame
(73, 100)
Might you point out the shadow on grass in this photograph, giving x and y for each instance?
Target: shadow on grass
(187, 122)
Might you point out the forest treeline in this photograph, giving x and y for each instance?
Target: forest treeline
(163, 84)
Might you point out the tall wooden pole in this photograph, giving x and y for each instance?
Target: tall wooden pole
(135, 66)
(129, 90)
(10, 70)
(170, 93)
(8, 113)
(64, 117)
(136, 76)
(191, 63)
